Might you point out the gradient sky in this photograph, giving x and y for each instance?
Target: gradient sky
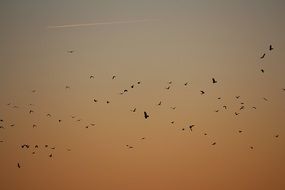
(179, 41)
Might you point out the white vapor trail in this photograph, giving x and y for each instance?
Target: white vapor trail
(102, 23)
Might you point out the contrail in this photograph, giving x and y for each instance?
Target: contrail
(102, 23)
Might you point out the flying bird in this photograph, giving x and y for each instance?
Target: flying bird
(167, 88)
(214, 143)
(159, 104)
(262, 56)
(225, 107)
(132, 86)
(113, 77)
(214, 81)
(70, 51)
(146, 115)
(134, 110)
(95, 100)
(31, 111)
(262, 70)
(270, 48)
(191, 126)
(202, 92)
(185, 84)
(18, 165)
(91, 77)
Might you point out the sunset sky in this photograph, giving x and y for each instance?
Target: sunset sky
(49, 50)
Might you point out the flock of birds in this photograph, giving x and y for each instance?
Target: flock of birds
(145, 114)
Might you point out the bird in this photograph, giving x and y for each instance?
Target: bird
(108, 102)
(217, 111)
(132, 86)
(48, 115)
(34, 125)
(214, 143)
(125, 90)
(46, 145)
(70, 51)
(283, 89)
(236, 113)
(95, 100)
(113, 77)
(241, 108)
(19, 166)
(173, 108)
(1, 120)
(1, 141)
(67, 87)
(214, 81)
(36, 146)
(191, 126)
(276, 136)
(167, 88)
(50, 155)
(251, 147)
(31, 111)
(225, 107)
(139, 82)
(170, 82)
(91, 77)
(263, 55)
(59, 120)
(237, 97)
(270, 47)
(172, 122)
(146, 115)
(219, 98)
(143, 138)
(185, 84)
(202, 92)
(262, 70)
(205, 134)
(240, 131)
(254, 107)
(159, 104)
(134, 110)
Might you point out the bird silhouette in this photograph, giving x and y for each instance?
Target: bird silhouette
(19, 166)
(276, 136)
(191, 127)
(67, 87)
(132, 86)
(214, 143)
(134, 110)
(146, 115)
(173, 108)
(237, 97)
(263, 55)
(95, 100)
(236, 113)
(225, 107)
(91, 77)
(214, 81)
(48, 115)
(265, 99)
(108, 102)
(159, 104)
(167, 88)
(185, 84)
(254, 107)
(202, 92)
(139, 82)
(70, 51)
(31, 111)
(262, 70)
(270, 48)
(113, 77)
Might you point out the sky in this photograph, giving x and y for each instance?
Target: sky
(161, 44)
